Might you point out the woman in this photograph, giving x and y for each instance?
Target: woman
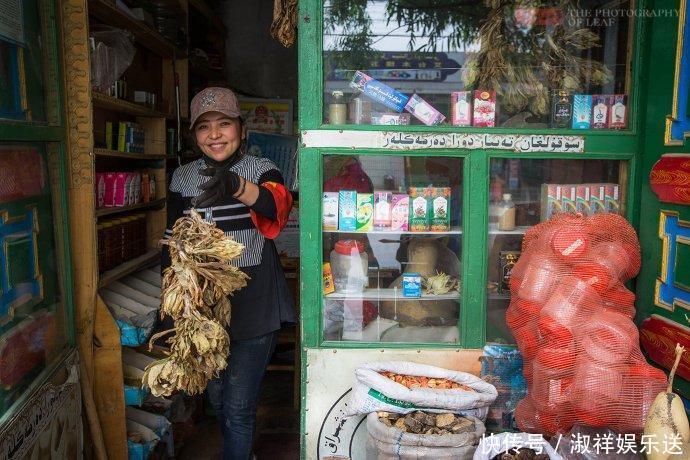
(245, 197)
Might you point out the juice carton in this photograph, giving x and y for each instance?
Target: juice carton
(582, 200)
(400, 212)
(382, 210)
(568, 198)
(597, 198)
(582, 111)
(419, 209)
(618, 112)
(551, 200)
(424, 111)
(611, 198)
(330, 210)
(440, 209)
(484, 108)
(365, 212)
(600, 111)
(412, 285)
(461, 108)
(347, 207)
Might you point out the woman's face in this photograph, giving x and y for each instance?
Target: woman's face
(218, 135)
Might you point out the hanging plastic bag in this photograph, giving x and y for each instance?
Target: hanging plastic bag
(112, 52)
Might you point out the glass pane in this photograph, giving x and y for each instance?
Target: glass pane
(392, 237)
(395, 62)
(33, 327)
(525, 192)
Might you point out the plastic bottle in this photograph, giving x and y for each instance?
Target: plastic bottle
(506, 213)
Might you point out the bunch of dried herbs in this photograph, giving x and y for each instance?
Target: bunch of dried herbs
(195, 294)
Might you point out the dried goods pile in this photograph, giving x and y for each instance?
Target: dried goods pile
(522, 453)
(416, 381)
(571, 317)
(421, 422)
(195, 294)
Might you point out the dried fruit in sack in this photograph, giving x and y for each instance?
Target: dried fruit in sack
(415, 381)
(195, 294)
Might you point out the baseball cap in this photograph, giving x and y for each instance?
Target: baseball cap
(214, 99)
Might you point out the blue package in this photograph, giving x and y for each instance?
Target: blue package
(502, 367)
(412, 285)
(379, 92)
(582, 111)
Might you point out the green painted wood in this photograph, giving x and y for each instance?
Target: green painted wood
(310, 38)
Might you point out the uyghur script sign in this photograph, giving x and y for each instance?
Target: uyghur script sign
(516, 143)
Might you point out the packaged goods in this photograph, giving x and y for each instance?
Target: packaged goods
(551, 200)
(100, 190)
(330, 210)
(461, 108)
(561, 110)
(484, 109)
(120, 189)
(618, 112)
(440, 209)
(359, 111)
(145, 188)
(506, 213)
(597, 197)
(569, 198)
(582, 200)
(419, 209)
(390, 119)
(382, 210)
(400, 211)
(508, 259)
(347, 207)
(411, 285)
(350, 266)
(110, 179)
(328, 286)
(582, 111)
(337, 109)
(424, 111)
(379, 92)
(611, 200)
(600, 111)
(365, 212)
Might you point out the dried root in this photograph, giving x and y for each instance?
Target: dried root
(195, 294)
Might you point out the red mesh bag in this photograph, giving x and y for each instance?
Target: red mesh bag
(571, 317)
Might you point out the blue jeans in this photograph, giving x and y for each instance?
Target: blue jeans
(235, 394)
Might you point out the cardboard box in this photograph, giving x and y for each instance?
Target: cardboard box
(484, 114)
(568, 198)
(412, 285)
(597, 198)
(423, 111)
(330, 210)
(561, 110)
(347, 210)
(365, 212)
(400, 212)
(582, 111)
(461, 108)
(582, 200)
(600, 111)
(419, 209)
(440, 209)
(379, 92)
(382, 210)
(551, 196)
(612, 202)
(618, 111)
(390, 119)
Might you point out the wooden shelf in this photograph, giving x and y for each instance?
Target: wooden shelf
(136, 207)
(130, 156)
(108, 13)
(128, 267)
(104, 101)
(207, 12)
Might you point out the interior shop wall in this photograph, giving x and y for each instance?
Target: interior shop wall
(257, 65)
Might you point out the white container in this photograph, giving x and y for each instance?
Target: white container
(349, 265)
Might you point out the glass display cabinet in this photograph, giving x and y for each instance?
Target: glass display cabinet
(433, 136)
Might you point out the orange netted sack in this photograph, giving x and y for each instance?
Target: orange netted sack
(571, 317)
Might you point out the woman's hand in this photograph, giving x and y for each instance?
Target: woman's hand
(223, 183)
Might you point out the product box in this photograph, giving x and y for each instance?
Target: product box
(582, 111)
(561, 110)
(100, 190)
(379, 92)
(145, 188)
(611, 198)
(597, 198)
(582, 200)
(347, 210)
(137, 188)
(440, 209)
(568, 198)
(109, 135)
(110, 184)
(120, 189)
(412, 285)
(419, 209)
(423, 111)
(328, 286)
(461, 108)
(382, 210)
(618, 111)
(507, 261)
(551, 200)
(330, 210)
(484, 114)
(600, 111)
(400, 212)
(365, 212)
(390, 119)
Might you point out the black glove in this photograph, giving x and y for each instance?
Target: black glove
(223, 183)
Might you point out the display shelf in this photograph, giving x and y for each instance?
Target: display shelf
(104, 101)
(207, 12)
(389, 294)
(111, 15)
(452, 231)
(493, 230)
(122, 209)
(130, 156)
(128, 267)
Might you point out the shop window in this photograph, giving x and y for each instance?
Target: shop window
(392, 245)
(511, 64)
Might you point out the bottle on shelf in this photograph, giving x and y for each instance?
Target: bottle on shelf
(506, 213)
(337, 109)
